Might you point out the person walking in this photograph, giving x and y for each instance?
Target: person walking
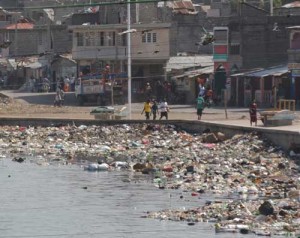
(200, 106)
(253, 113)
(164, 109)
(147, 109)
(58, 101)
(154, 109)
(159, 90)
(148, 90)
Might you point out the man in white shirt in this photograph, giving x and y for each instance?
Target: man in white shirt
(163, 109)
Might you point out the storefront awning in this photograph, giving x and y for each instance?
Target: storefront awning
(195, 73)
(274, 71)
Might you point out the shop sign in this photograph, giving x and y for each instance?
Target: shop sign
(294, 66)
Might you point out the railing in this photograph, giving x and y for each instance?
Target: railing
(99, 52)
(284, 104)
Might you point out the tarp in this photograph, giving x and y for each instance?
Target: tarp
(35, 65)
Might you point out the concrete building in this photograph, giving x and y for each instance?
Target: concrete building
(294, 61)
(252, 41)
(162, 31)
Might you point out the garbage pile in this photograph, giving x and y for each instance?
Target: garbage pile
(246, 166)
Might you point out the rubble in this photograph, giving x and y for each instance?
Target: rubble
(258, 181)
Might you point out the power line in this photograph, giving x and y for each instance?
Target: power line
(121, 2)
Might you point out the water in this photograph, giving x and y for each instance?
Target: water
(65, 201)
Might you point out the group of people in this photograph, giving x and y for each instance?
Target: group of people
(66, 83)
(43, 84)
(159, 90)
(152, 108)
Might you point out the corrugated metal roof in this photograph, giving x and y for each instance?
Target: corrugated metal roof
(68, 56)
(195, 73)
(271, 71)
(184, 7)
(292, 5)
(293, 27)
(182, 62)
(33, 62)
(19, 26)
(275, 71)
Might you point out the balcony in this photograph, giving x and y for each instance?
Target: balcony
(107, 53)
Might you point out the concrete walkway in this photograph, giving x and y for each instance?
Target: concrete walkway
(235, 116)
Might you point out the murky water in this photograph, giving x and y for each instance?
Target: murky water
(65, 201)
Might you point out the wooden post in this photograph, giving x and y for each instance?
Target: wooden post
(225, 103)
(275, 98)
(112, 92)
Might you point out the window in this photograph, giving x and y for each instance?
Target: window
(154, 37)
(235, 49)
(124, 40)
(111, 38)
(149, 37)
(220, 36)
(101, 38)
(79, 39)
(89, 38)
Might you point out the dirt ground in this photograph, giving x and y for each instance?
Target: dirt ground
(18, 108)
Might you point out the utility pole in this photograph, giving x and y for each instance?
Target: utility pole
(271, 7)
(16, 33)
(137, 13)
(16, 38)
(129, 57)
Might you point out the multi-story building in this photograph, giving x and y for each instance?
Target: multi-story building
(95, 46)
(294, 61)
(252, 41)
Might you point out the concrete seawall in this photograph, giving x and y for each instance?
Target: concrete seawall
(279, 137)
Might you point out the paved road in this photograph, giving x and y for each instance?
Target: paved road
(40, 98)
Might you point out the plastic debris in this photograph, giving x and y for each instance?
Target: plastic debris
(258, 183)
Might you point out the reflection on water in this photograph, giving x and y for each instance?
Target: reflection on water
(65, 201)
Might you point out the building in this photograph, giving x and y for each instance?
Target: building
(160, 32)
(185, 72)
(252, 41)
(294, 61)
(96, 46)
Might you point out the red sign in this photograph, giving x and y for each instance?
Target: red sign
(220, 49)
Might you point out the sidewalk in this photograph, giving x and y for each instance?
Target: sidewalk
(235, 116)
(38, 105)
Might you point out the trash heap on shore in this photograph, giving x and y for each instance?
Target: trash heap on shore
(208, 163)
